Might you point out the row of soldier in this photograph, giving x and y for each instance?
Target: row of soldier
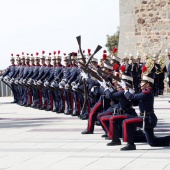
(86, 91)
(37, 78)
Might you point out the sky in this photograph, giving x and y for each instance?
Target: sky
(31, 26)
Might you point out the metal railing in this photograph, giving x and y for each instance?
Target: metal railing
(5, 90)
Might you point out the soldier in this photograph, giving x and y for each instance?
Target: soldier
(156, 70)
(34, 74)
(47, 92)
(52, 81)
(146, 101)
(161, 74)
(37, 78)
(73, 76)
(133, 72)
(102, 104)
(25, 80)
(8, 74)
(112, 123)
(17, 76)
(26, 71)
(66, 72)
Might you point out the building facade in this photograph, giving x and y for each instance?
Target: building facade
(144, 27)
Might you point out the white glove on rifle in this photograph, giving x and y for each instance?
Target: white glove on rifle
(63, 82)
(46, 83)
(16, 82)
(39, 82)
(103, 84)
(35, 82)
(67, 86)
(12, 81)
(6, 78)
(73, 83)
(84, 76)
(110, 89)
(75, 87)
(122, 84)
(167, 79)
(24, 81)
(131, 91)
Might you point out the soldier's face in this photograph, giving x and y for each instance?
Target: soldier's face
(32, 62)
(130, 61)
(58, 61)
(54, 62)
(18, 61)
(12, 62)
(169, 57)
(48, 62)
(23, 61)
(37, 61)
(66, 62)
(27, 61)
(143, 84)
(42, 61)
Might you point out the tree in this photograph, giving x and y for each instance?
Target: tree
(113, 40)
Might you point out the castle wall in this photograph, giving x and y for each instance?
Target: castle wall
(144, 26)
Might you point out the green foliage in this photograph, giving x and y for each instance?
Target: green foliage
(112, 41)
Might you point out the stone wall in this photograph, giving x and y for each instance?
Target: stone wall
(144, 26)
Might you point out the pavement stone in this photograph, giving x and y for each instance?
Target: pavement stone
(38, 140)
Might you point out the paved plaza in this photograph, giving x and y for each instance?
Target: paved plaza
(39, 140)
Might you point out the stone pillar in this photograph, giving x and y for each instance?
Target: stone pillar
(144, 26)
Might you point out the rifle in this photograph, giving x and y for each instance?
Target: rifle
(6, 84)
(85, 69)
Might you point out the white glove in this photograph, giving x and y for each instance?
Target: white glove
(110, 89)
(92, 89)
(84, 76)
(6, 78)
(62, 83)
(73, 83)
(75, 87)
(64, 80)
(67, 86)
(52, 84)
(167, 79)
(24, 81)
(16, 82)
(20, 81)
(46, 83)
(122, 84)
(131, 91)
(35, 82)
(39, 82)
(12, 81)
(103, 84)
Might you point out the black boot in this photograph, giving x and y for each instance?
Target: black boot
(86, 132)
(75, 113)
(42, 108)
(104, 136)
(113, 143)
(60, 111)
(129, 147)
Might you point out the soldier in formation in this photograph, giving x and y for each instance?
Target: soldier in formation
(103, 94)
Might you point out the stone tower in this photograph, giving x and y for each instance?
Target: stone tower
(144, 27)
